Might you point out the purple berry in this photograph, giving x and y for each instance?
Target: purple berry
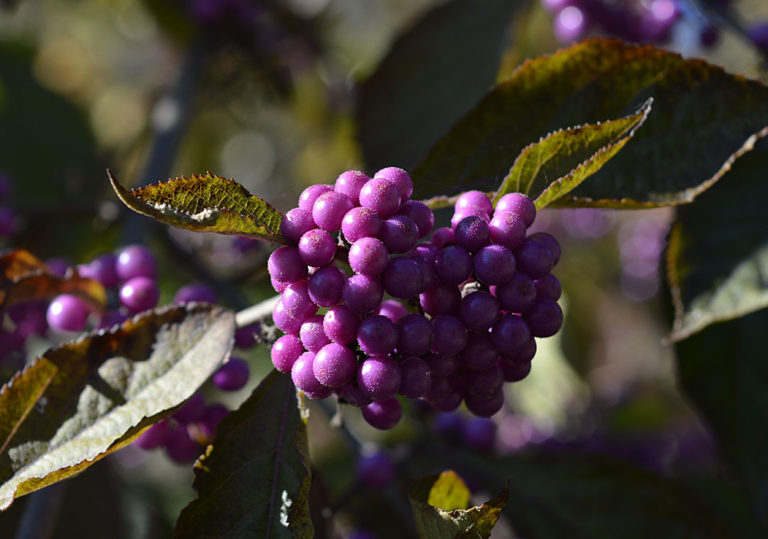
(449, 424)
(453, 265)
(441, 366)
(329, 210)
(379, 377)
(334, 365)
(479, 310)
(518, 294)
(376, 470)
(352, 395)
(285, 352)
(382, 196)
(441, 299)
(472, 233)
(295, 224)
(340, 324)
(474, 198)
(139, 294)
(279, 286)
(195, 292)
(350, 183)
(58, 266)
(360, 223)
(545, 318)
(67, 313)
(524, 355)
(311, 194)
(550, 241)
(394, 310)
(232, 375)
(180, 447)
(400, 178)
(155, 436)
(312, 334)
(534, 258)
(548, 287)
(192, 410)
(296, 301)
(377, 335)
(212, 416)
(135, 261)
(402, 278)
(368, 256)
(449, 335)
(427, 274)
(485, 405)
(317, 248)
(758, 33)
(362, 293)
(514, 372)
(444, 394)
(485, 382)
(517, 204)
(510, 334)
(420, 214)
(507, 229)
(247, 336)
(111, 318)
(479, 433)
(414, 335)
(286, 320)
(103, 268)
(468, 211)
(442, 236)
(480, 353)
(399, 233)
(29, 317)
(425, 251)
(285, 265)
(416, 379)
(325, 286)
(303, 376)
(494, 264)
(383, 414)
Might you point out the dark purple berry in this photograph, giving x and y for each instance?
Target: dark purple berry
(472, 233)
(285, 265)
(377, 335)
(468, 211)
(192, 410)
(340, 324)
(362, 293)
(414, 335)
(534, 258)
(510, 334)
(548, 287)
(383, 414)
(453, 265)
(379, 377)
(402, 278)
(155, 436)
(399, 233)
(232, 375)
(441, 366)
(416, 379)
(325, 286)
(420, 214)
(295, 224)
(103, 268)
(195, 292)
(485, 405)
(376, 470)
(479, 310)
(518, 294)
(514, 372)
(394, 310)
(545, 318)
(334, 365)
(449, 335)
(479, 433)
(550, 241)
(524, 355)
(441, 299)
(180, 447)
(480, 353)
(442, 236)
(485, 382)
(247, 336)
(494, 264)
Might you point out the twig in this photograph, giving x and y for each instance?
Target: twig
(257, 313)
(40, 512)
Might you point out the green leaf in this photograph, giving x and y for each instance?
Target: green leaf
(703, 119)
(559, 494)
(724, 371)
(553, 167)
(433, 522)
(205, 204)
(717, 255)
(254, 480)
(85, 399)
(433, 73)
(24, 277)
(449, 492)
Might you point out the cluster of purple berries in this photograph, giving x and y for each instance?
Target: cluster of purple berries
(462, 309)
(640, 22)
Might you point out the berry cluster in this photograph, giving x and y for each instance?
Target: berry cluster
(642, 22)
(462, 309)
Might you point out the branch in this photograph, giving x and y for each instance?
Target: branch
(257, 313)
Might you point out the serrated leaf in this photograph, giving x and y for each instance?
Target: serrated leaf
(433, 72)
(24, 277)
(561, 494)
(205, 203)
(555, 165)
(717, 254)
(254, 480)
(703, 119)
(724, 371)
(435, 523)
(449, 492)
(85, 399)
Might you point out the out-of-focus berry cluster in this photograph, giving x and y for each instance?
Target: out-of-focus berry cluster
(649, 21)
(370, 313)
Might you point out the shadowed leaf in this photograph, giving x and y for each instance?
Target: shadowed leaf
(559, 162)
(703, 119)
(205, 203)
(435, 523)
(431, 75)
(724, 371)
(24, 277)
(717, 256)
(85, 399)
(254, 480)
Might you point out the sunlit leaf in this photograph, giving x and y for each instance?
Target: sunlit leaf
(553, 167)
(703, 119)
(85, 399)
(717, 256)
(435, 523)
(254, 480)
(449, 492)
(205, 203)
(431, 75)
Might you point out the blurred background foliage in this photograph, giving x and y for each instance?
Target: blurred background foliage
(293, 96)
